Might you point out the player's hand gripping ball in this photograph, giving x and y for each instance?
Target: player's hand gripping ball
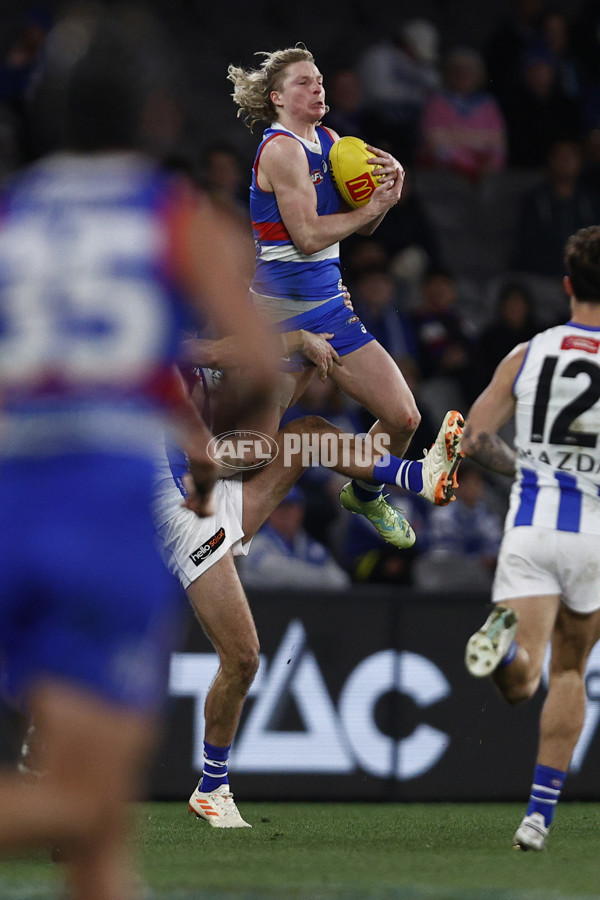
(354, 178)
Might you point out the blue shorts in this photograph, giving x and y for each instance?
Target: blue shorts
(335, 318)
(84, 597)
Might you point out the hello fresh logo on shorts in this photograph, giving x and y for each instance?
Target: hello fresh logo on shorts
(243, 449)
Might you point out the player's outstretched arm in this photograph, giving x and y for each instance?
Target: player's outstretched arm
(493, 408)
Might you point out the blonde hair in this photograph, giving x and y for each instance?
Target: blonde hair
(252, 87)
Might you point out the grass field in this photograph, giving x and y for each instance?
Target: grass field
(350, 851)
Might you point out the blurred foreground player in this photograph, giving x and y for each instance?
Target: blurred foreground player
(547, 583)
(94, 245)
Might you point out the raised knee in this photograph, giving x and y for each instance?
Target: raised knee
(311, 424)
(413, 420)
(314, 423)
(409, 422)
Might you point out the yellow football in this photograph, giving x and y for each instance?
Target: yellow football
(352, 175)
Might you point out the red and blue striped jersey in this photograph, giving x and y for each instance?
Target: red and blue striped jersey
(282, 271)
(90, 314)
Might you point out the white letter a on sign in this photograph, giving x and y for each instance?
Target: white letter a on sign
(321, 747)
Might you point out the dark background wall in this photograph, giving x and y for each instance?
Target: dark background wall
(365, 696)
(361, 696)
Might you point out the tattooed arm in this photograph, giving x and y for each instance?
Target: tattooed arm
(489, 450)
(493, 409)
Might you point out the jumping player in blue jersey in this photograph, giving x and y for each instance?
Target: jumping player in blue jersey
(547, 583)
(298, 220)
(102, 257)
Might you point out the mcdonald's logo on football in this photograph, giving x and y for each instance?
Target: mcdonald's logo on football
(361, 187)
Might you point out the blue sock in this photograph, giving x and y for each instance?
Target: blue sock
(545, 791)
(405, 473)
(509, 655)
(364, 491)
(215, 767)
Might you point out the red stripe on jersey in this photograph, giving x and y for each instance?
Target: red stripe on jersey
(271, 231)
(168, 387)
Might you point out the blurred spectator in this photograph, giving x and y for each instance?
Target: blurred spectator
(586, 43)
(504, 52)
(538, 113)
(514, 322)
(462, 127)
(549, 213)
(397, 76)
(23, 54)
(223, 177)
(344, 98)
(586, 40)
(464, 538)
(378, 303)
(10, 151)
(359, 253)
(556, 38)
(445, 341)
(284, 556)
(17, 69)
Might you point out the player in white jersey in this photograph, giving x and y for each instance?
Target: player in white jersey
(547, 584)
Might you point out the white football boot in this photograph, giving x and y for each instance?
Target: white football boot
(490, 644)
(440, 463)
(531, 833)
(217, 807)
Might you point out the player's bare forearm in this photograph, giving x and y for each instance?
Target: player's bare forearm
(372, 226)
(223, 353)
(489, 450)
(283, 170)
(490, 412)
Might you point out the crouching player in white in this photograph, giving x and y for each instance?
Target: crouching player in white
(547, 583)
(199, 552)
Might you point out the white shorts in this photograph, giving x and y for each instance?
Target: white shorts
(190, 545)
(540, 561)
